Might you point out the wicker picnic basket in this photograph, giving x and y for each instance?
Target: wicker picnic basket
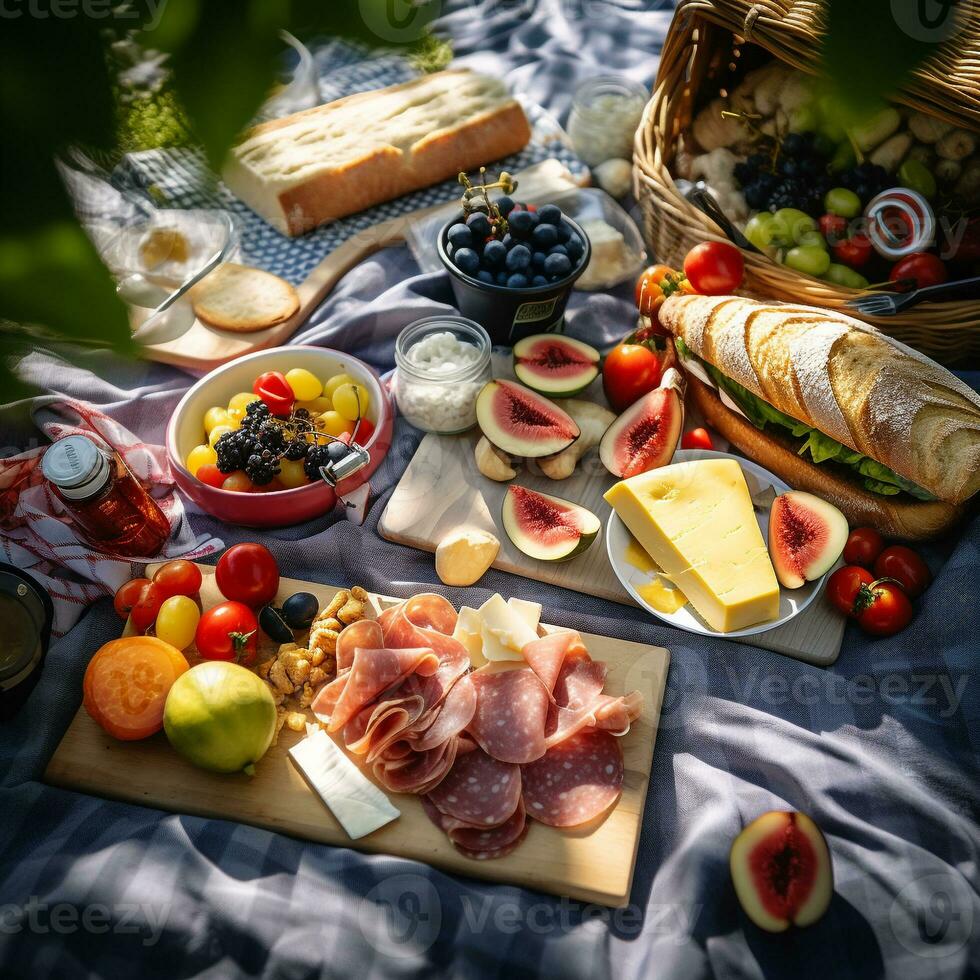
(709, 44)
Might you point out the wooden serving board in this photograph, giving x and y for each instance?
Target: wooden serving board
(202, 348)
(593, 863)
(442, 489)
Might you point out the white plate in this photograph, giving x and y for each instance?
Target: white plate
(791, 601)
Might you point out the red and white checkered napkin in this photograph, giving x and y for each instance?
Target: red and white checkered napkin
(36, 532)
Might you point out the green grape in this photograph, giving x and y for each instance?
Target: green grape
(844, 275)
(759, 231)
(917, 177)
(811, 259)
(841, 201)
(794, 227)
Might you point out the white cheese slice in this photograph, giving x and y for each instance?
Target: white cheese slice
(469, 626)
(359, 806)
(504, 632)
(530, 612)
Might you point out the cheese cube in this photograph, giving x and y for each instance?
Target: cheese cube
(697, 522)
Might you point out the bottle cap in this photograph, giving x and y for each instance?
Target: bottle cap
(76, 466)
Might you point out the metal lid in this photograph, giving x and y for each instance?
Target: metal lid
(76, 466)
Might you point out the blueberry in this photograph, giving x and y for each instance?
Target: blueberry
(549, 214)
(539, 280)
(564, 231)
(484, 275)
(518, 258)
(502, 278)
(479, 224)
(467, 260)
(574, 247)
(558, 250)
(517, 281)
(537, 260)
(460, 236)
(494, 253)
(522, 223)
(544, 236)
(506, 205)
(792, 144)
(558, 265)
(509, 241)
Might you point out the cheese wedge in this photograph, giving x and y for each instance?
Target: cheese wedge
(529, 611)
(469, 626)
(505, 631)
(696, 521)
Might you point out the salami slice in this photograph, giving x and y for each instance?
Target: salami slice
(479, 790)
(511, 709)
(372, 672)
(497, 852)
(470, 838)
(575, 781)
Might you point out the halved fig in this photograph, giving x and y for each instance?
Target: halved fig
(521, 422)
(781, 870)
(555, 365)
(806, 537)
(547, 527)
(646, 434)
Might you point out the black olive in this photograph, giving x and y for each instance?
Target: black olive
(300, 610)
(274, 625)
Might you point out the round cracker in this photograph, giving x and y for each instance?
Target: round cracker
(242, 299)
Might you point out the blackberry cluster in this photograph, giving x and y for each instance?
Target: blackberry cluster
(296, 448)
(256, 414)
(316, 457)
(234, 449)
(271, 437)
(261, 467)
(866, 180)
(793, 176)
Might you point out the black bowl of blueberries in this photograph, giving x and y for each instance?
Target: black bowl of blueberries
(513, 268)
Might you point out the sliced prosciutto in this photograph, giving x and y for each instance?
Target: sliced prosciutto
(479, 790)
(417, 772)
(449, 718)
(371, 672)
(365, 633)
(511, 710)
(575, 781)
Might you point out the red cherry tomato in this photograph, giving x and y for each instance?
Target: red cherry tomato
(144, 612)
(863, 546)
(854, 251)
(364, 431)
(883, 609)
(906, 567)
(228, 631)
(714, 268)
(211, 475)
(697, 439)
(248, 573)
(629, 372)
(922, 267)
(844, 585)
(127, 595)
(833, 227)
(178, 577)
(273, 388)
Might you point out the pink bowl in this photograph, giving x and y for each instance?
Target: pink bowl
(280, 507)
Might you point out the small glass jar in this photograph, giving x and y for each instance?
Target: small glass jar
(442, 363)
(605, 114)
(107, 503)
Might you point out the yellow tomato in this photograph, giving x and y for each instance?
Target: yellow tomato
(316, 406)
(214, 417)
(176, 621)
(218, 431)
(291, 473)
(332, 384)
(241, 400)
(351, 400)
(198, 456)
(334, 424)
(305, 384)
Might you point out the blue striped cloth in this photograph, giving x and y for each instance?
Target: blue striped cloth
(880, 749)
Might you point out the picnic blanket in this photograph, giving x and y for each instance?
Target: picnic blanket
(880, 749)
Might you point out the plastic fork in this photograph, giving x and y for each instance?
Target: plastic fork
(888, 304)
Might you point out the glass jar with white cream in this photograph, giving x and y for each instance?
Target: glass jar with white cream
(606, 112)
(442, 363)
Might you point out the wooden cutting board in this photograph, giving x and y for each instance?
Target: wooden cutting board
(202, 348)
(442, 489)
(593, 863)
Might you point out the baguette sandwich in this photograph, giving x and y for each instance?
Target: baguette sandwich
(835, 407)
(325, 163)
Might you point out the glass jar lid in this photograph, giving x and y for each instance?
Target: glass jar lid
(462, 329)
(76, 466)
(596, 96)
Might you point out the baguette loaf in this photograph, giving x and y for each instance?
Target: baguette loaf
(324, 163)
(846, 379)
